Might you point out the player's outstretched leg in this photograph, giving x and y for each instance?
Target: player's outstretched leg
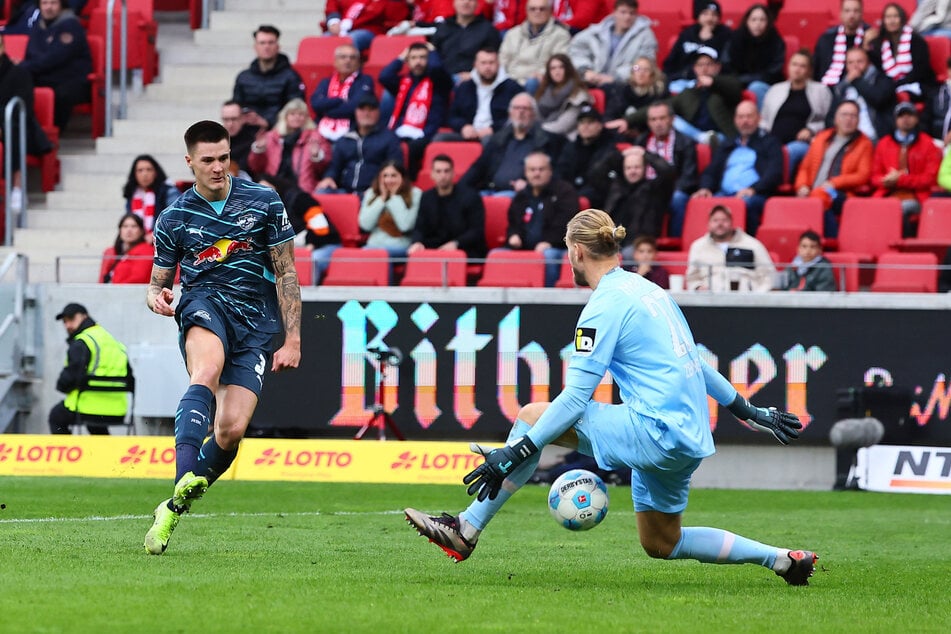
(717, 546)
(156, 540)
(446, 531)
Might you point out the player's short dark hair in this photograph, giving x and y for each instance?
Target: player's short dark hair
(488, 48)
(268, 28)
(231, 102)
(811, 235)
(205, 132)
(445, 158)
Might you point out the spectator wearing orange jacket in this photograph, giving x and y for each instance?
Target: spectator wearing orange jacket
(905, 165)
(847, 169)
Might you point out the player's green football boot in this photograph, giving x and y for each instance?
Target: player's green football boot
(156, 540)
(188, 489)
(442, 531)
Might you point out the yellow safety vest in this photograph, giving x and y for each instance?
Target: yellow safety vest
(107, 360)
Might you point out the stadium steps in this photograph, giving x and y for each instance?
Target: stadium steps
(78, 220)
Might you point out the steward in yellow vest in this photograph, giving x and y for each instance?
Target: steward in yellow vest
(94, 359)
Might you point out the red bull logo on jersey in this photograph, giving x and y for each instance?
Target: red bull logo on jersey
(221, 250)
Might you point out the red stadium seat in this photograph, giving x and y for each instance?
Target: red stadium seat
(48, 164)
(906, 273)
(462, 153)
(869, 226)
(496, 220)
(304, 265)
(315, 59)
(792, 46)
(697, 216)
(939, 49)
(598, 100)
(782, 242)
(142, 32)
(358, 267)
(934, 229)
(514, 268)
(674, 261)
(846, 268)
(96, 108)
(806, 21)
(435, 267)
(343, 210)
(15, 46)
(384, 50)
(804, 213)
(566, 276)
(703, 157)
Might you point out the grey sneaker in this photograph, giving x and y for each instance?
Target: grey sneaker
(156, 540)
(442, 531)
(188, 489)
(802, 565)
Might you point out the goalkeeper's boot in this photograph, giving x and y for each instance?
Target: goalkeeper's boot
(802, 563)
(188, 489)
(156, 540)
(444, 531)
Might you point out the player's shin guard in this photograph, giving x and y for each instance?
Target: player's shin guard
(213, 461)
(479, 514)
(191, 426)
(717, 546)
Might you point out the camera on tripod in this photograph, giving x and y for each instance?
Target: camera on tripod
(387, 356)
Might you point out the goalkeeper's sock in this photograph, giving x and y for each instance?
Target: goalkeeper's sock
(191, 427)
(213, 461)
(479, 514)
(717, 546)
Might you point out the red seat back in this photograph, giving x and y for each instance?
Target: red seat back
(698, 214)
(15, 46)
(845, 266)
(343, 211)
(939, 50)
(784, 211)
(435, 267)
(384, 50)
(781, 242)
(906, 273)
(462, 153)
(514, 268)
(304, 265)
(358, 267)
(869, 226)
(934, 222)
(496, 220)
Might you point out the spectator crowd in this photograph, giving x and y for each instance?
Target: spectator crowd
(554, 105)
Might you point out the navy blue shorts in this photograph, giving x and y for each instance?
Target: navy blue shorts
(247, 351)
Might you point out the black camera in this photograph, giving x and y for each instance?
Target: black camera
(387, 356)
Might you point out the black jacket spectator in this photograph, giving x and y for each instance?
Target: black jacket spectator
(586, 167)
(752, 58)
(267, 92)
(58, 56)
(639, 207)
(16, 82)
(480, 175)
(458, 45)
(560, 204)
(679, 62)
(685, 161)
(460, 216)
(464, 103)
(356, 160)
(769, 163)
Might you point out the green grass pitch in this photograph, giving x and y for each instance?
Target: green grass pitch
(314, 557)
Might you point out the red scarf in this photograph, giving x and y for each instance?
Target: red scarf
(664, 149)
(143, 206)
(834, 72)
(333, 129)
(354, 11)
(417, 111)
(561, 11)
(897, 66)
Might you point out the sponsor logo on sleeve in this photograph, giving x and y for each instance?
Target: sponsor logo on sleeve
(584, 340)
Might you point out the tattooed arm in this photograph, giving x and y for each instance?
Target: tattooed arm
(288, 298)
(159, 296)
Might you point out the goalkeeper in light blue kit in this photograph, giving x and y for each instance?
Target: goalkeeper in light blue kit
(661, 432)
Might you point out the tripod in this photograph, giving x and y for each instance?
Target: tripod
(381, 419)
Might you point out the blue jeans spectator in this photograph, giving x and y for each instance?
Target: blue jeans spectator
(678, 210)
(759, 89)
(797, 151)
(320, 256)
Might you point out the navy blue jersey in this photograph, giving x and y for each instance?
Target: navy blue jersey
(225, 255)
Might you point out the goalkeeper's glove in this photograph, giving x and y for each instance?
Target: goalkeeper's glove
(784, 426)
(487, 478)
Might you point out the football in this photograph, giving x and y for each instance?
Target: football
(578, 500)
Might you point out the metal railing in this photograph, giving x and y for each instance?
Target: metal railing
(123, 62)
(13, 218)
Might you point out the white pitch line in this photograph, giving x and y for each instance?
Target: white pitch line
(114, 518)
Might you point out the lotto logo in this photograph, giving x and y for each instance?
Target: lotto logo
(268, 457)
(404, 461)
(304, 458)
(437, 462)
(136, 454)
(4, 451)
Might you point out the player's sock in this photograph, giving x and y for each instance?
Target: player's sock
(213, 461)
(479, 514)
(717, 546)
(191, 427)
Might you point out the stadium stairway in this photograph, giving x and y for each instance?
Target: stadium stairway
(74, 223)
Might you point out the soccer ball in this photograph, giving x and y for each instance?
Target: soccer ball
(578, 500)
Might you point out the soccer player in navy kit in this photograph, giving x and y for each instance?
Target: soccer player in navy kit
(661, 431)
(234, 245)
